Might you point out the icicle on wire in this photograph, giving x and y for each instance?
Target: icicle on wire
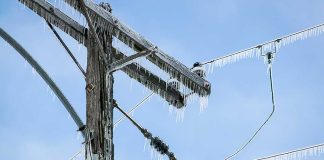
(270, 58)
(299, 154)
(253, 51)
(134, 108)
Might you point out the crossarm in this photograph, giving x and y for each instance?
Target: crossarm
(57, 18)
(151, 81)
(129, 37)
(137, 72)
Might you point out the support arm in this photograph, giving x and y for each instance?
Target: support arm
(160, 58)
(128, 60)
(79, 32)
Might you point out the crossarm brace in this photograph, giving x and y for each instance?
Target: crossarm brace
(128, 60)
(160, 58)
(77, 31)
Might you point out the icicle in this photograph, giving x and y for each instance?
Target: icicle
(300, 154)
(78, 135)
(170, 109)
(34, 71)
(251, 52)
(131, 84)
(203, 103)
(180, 114)
(146, 140)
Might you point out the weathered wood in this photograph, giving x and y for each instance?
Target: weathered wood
(99, 102)
(137, 72)
(57, 18)
(152, 82)
(128, 60)
(103, 18)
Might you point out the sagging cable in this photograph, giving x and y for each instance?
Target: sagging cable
(269, 57)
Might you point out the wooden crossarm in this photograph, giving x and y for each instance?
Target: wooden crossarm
(79, 32)
(167, 63)
(57, 18)
(128, 60)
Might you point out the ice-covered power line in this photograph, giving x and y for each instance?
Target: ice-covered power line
(45, 77)
(265, 47)
(299, 154)
(269, 57)
(134, 108)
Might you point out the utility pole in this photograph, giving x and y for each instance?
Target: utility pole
(99, 99)
(103, 59)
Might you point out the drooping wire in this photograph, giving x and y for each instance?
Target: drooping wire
(41, 71)
(270, 58)
(66, 48)
(134, 108)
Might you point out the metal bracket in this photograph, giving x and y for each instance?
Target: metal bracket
(90, 87)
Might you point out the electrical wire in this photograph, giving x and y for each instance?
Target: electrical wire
(56, 90)
(271, 114)
(133, 109)
(318, 29)
(294, 151)
(76, 155)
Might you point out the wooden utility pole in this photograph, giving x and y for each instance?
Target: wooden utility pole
(99, 101)
(103, 60)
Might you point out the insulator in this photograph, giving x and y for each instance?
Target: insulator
(105, 6)
(174, 83)
(199, 70)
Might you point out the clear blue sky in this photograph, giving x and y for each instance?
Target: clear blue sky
(33, 125)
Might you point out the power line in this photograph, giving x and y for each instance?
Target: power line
(320, 147)
(45, 77)
(267, 46)
(134, 108)
(269, 57)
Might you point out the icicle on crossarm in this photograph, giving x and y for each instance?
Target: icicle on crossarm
(151, 81)
(268, 46)
(57, 18)
(299, 154)
(127, 35)
(141, 75)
